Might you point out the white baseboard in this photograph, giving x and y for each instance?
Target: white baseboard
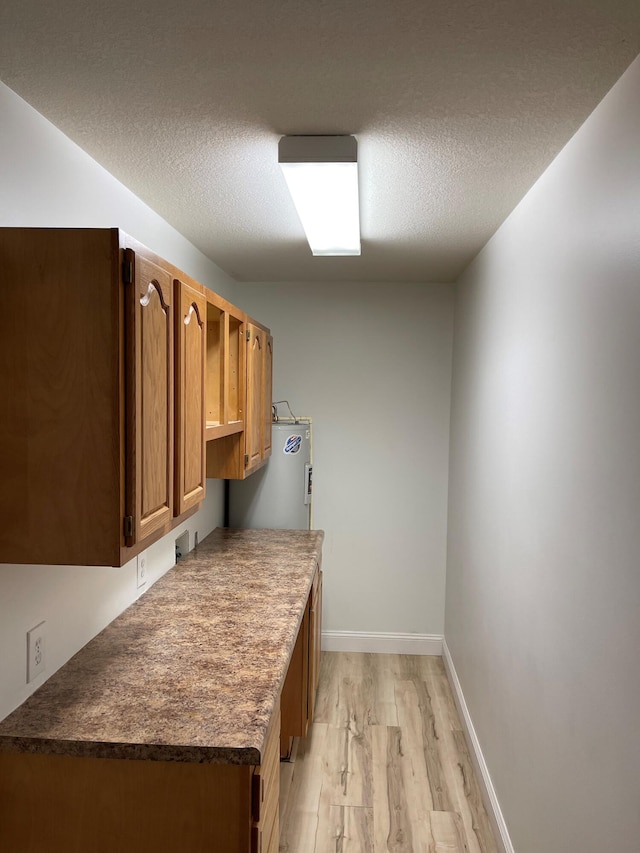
(382, 643)
(489, 795)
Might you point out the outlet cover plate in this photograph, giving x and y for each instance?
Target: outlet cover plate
(142, 569)
(36, 659)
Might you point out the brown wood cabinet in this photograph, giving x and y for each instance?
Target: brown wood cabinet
(117, 763)
(240, 452)
(301, 682)
(123, 385)
(266, 795)
(315, 641)
(133, 806)
(88, 441)
(225, 370)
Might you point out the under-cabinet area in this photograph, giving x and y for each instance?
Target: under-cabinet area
(125, 384)
(164, 732)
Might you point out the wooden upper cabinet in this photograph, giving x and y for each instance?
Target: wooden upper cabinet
(102, 421)
(240, 448)
(191, 347)
(90, 474)
(225, 368)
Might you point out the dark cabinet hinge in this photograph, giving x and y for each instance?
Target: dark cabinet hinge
(248, 333)
(246, 459)
(127, 272)
(128, 525)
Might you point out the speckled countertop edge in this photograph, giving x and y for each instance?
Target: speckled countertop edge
(215, 635)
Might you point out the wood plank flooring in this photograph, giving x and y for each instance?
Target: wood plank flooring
(385, 767)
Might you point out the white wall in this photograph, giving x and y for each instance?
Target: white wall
(543, 577)
(371, 364)
(46, 180)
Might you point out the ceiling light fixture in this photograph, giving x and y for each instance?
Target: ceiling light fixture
(322, 176)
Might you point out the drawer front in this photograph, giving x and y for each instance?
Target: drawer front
(266, 793)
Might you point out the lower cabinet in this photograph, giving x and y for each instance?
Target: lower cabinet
(315, 641)
(301, 682)
(69, 803)
(121, 806)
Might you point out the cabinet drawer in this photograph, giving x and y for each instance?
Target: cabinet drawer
(266, 788)
(266, 834)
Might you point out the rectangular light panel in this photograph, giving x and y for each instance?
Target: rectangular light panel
(322, 176)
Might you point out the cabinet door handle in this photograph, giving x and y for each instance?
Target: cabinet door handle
(146, 298)
(193, 309)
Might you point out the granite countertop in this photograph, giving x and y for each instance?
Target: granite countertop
(191, 671)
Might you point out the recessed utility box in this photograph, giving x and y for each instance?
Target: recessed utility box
(182, 545)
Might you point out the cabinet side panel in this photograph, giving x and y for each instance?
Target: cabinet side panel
(59, 385)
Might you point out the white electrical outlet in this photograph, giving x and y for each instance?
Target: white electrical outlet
(142, 569)
(36, 651)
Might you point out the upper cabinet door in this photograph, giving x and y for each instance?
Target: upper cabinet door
(150, 397)
(255, 372)
(267, 383)
(191, 347)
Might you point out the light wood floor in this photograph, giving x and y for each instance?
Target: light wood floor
(385, 766)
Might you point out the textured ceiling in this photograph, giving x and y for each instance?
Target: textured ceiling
(457, 106)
